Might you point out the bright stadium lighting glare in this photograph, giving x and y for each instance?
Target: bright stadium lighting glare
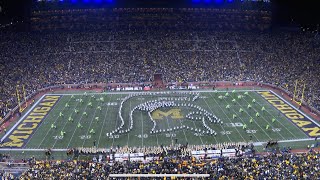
(219, 1)
(73, 1)
(86, 1)
(207, 1)
(196, 1)
(97, 1)
(230, 1)
(109, 1)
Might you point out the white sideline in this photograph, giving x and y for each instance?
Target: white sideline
(283, 141)
(63, 150)
(295, 108)
(135, 92)
(22, 118)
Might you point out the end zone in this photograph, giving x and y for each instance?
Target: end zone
(23, 130)
(296, 116)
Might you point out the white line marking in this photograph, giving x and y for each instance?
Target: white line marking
(22, 118)
(295, 108)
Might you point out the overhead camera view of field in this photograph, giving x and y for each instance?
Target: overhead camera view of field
(62, 121)
(159, 89)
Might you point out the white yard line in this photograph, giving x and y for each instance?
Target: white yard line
(104, 120)
(141, 126)
(115, 127)
(44, 138)
(22, 118)
(169, 128)
(66, 121)
(223, 113)
(268, 104)
(129, 124)
(185, 137)
(42, 123)
(75, 129)
(93, 119)
(295, 108)
(195, 126)
(263, 119)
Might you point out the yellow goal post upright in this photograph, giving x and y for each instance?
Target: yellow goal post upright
(21, 97)
(298, 94)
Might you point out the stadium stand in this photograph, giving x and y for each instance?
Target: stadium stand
(187, 45)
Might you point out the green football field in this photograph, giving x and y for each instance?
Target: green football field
(62, 121)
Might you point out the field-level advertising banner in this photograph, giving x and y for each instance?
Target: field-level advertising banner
(307, 125)
(19, 135)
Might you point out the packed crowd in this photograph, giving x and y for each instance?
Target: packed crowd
(272, 166)
(134, 54)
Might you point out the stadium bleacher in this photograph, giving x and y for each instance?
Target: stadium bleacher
(188, 45)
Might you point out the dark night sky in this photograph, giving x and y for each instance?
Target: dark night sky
(283, 11)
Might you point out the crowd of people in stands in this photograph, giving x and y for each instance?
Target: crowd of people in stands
(129, 52)
(42, 60)
(272, 166)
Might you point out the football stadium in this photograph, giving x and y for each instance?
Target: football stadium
(191, 89)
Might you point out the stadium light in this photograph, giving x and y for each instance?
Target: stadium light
(207, 1)
(195, 1)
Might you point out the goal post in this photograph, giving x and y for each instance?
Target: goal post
(21, 97)
(298, 93)
(194, 176)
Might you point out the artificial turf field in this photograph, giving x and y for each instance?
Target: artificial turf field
(103, 127)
